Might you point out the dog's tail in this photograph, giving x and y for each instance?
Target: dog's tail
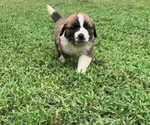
(55, 15)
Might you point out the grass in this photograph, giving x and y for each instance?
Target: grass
(36, 89)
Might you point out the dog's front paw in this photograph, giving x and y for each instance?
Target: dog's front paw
(62, 59)
(83, 63)
(82, 71)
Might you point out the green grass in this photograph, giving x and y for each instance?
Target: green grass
(36, 89)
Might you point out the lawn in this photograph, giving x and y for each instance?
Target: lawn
(37, 89)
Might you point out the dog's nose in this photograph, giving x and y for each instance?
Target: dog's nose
(81, 36)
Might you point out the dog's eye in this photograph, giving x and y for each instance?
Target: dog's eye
(87, 26)
(72, 27)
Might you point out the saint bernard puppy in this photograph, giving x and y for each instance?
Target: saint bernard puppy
(74, 37)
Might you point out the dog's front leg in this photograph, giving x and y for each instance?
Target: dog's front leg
(83, 63)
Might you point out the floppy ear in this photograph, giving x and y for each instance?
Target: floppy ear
(62, 30)
(95, 34)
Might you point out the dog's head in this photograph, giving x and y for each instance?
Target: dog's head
(79, 28)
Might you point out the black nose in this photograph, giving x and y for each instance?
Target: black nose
(81, 36)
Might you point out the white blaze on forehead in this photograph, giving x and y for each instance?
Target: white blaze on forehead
(82, 29)
(81, 19)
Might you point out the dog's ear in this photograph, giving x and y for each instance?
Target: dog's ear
(95, 34)
(62, 30)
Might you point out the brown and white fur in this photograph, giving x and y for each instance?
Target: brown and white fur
(74, 37)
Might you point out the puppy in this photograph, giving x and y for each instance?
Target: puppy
(74, 37)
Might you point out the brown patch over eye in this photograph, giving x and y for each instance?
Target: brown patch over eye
(74, 25)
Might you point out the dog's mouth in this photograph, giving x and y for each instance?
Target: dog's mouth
(79, 43)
